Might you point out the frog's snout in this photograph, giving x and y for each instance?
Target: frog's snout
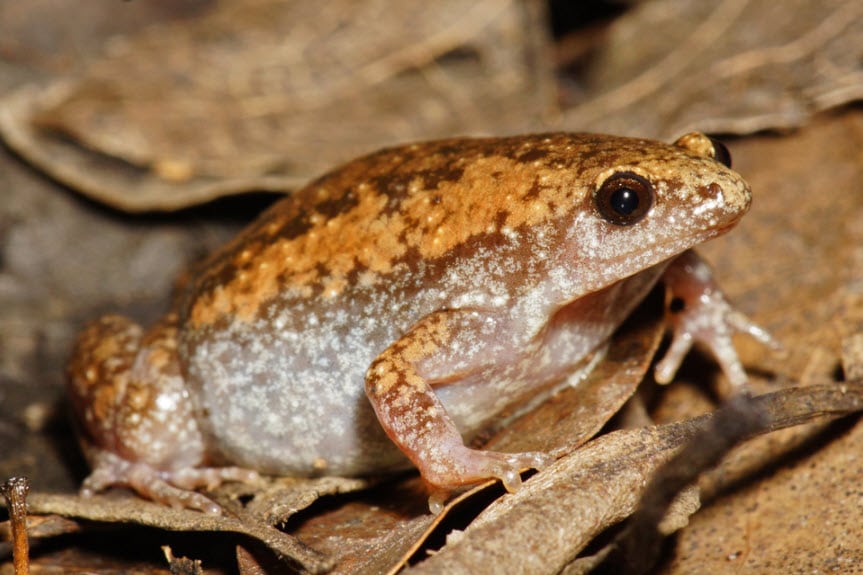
(737, 195)
(731, 199)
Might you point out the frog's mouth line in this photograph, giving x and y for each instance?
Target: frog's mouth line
(700, 237)
(714, 233)
(724, 229)
(677, 247)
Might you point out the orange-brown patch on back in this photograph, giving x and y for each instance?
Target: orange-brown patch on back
(425, 199)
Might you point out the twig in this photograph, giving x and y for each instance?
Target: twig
(637, 548)
(15, 491)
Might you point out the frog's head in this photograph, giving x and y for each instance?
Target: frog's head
(656, 201)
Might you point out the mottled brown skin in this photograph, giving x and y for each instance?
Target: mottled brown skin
(397, 305)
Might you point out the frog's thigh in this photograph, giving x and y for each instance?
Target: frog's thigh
(130, 396)
(138, 427)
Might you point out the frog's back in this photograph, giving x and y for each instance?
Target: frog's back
(382, 222)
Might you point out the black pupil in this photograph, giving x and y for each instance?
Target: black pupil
(624, 201)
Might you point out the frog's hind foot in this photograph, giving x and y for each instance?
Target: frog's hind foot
(464, 466)
(174, 488)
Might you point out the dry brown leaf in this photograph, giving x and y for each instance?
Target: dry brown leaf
(722, 66)
(41, 39)
(263, 95)
(541, 528)
(372, 534)
(803, 517)
(266, 94)
(130, 509)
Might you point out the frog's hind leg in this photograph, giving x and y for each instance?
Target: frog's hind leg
(136, 418)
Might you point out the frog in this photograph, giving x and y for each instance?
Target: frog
(388, 312)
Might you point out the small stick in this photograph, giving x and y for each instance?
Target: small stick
(15, 491)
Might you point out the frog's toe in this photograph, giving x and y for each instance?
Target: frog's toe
(174, 488)
(107, 471)
(438, 499)
(741, 323)
(510, 473)
(712, 321)
(148, 483)
(667, 367)
(507, 467)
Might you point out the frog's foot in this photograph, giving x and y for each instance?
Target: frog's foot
(464, 466)
(169, 487)
(699, 312)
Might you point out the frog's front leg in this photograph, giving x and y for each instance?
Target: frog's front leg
(414, 417)
(697, 310)
(136, 418)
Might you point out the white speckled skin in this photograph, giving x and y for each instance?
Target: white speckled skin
(400, 303)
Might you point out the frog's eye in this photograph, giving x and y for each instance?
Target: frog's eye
(721, 153)
(624, 198)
